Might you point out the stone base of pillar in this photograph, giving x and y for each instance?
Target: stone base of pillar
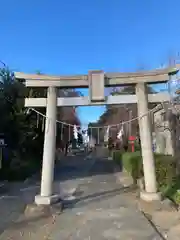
(150, 197)
(41, 200)
(34, 211)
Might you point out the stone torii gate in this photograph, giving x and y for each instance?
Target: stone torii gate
(96, 81)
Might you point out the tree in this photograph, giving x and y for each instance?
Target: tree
(23, 135)
(130, 90)
(18, 128)
(115, 114)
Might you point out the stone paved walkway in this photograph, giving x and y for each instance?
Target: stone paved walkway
(102, 210)
(13, 201)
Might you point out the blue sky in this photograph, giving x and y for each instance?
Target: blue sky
(68, 37)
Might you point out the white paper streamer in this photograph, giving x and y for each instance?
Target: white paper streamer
(120, 133)
(75, 131)
(106, 136)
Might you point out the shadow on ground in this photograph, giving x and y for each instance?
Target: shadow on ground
(72, 168)
(97, 197)
(82, 201)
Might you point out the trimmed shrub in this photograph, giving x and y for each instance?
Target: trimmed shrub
(173, 191)
(132, 163)
(165, 170)
(164, 164)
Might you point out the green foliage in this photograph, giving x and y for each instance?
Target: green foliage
(164, 164)
(132, 163)
(176, 196)
(23, 138)
(137, 146)
(115, 114)
(20, 170)
(165, 170)
(172, 191)
(23, 132)
(117, 156)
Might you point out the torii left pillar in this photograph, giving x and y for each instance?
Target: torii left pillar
(46, 196)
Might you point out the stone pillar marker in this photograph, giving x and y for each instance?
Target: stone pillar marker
(46, 196)
(150, 193)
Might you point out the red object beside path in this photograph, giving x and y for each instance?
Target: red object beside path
(131, 141)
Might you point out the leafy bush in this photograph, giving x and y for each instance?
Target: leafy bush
(137, 146)
(132, 163)
(21, 170)
(176, 196)
(164, 164)
(165, 170)
(172, 191)
(23, 136)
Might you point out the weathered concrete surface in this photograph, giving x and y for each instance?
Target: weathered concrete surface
(13, 202)
(164, 216)
(174, 233)
(104, 211)
(101, 209)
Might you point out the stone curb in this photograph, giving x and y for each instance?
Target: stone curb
(163, 217)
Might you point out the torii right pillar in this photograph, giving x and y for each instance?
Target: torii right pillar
(150, 193)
